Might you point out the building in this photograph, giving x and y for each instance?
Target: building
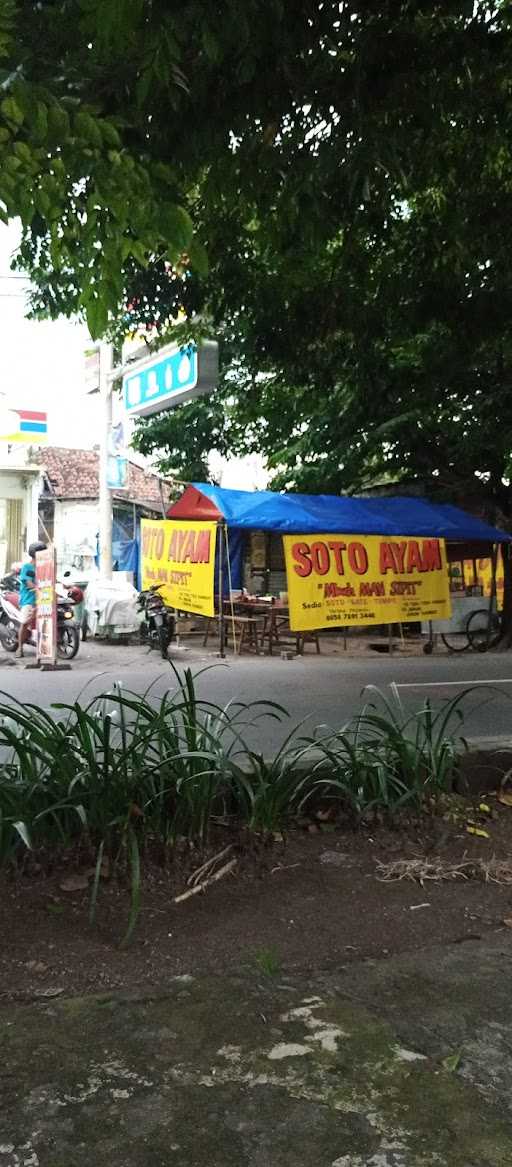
(68, 504)
(20, 488)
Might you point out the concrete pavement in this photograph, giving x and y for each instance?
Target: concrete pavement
(401, 1063)
(320, 689)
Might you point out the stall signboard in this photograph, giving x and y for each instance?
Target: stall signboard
(180, 555)
(46, 606)
(345, 580)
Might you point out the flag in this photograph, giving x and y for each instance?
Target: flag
(31, 427)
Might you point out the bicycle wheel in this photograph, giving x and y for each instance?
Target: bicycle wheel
(456, 641)
(484, 633)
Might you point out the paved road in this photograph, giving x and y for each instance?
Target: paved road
(322, 689)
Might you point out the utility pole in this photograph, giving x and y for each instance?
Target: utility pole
(105, 494)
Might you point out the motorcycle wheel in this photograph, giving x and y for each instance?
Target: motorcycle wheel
(164, 641)
(9, 636)
(68, 643)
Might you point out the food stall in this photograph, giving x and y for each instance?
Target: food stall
(283, 566)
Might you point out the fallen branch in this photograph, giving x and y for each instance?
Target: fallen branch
(206, 883)
(201, 871)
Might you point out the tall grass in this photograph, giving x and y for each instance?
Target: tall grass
(124, 774)
(386, 759)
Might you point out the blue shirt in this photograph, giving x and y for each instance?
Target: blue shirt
(27, 595)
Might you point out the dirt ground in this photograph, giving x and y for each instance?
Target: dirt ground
(310, 902)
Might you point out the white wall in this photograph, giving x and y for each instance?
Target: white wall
(75, 530)
(19, 484)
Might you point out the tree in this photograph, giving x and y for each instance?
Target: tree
(347, 173)
(107, 127)
(360, 284)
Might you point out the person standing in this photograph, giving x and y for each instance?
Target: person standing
(27, 579)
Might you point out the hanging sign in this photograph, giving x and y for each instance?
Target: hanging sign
(180, 554)
(46, 606)
(117, 459)
(345, 580)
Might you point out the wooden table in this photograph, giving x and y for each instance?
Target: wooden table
(275, 618)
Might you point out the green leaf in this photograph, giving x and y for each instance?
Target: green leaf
(96, 882)
(88, 128)
(96, 313)
(139, 253)
(135, 882)
(58, 123)
(198, 256)
(177, 227)
(22, 830)
(12, 111)
(42, 202)
(110, 135)
(41, 121)
(23, 152)
(452, 1062)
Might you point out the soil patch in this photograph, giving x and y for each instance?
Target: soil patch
(311, 901)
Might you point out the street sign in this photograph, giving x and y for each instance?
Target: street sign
(170, 377)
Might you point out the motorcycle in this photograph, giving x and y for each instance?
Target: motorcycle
(68, 637)
(159, 624)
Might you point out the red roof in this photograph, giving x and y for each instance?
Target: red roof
(75, 474)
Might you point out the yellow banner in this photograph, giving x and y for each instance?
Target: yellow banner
(180, 555)
(484, 577)
(343, 580)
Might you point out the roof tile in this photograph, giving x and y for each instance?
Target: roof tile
(75, 474)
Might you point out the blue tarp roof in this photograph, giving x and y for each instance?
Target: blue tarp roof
(316, 513)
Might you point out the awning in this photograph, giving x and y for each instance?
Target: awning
(265, 510)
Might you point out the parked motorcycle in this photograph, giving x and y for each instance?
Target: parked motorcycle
(68, 637)
(159, 624)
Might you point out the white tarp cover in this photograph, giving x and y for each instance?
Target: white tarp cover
(111, 607)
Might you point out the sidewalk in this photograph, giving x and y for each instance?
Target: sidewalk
(404, 1062)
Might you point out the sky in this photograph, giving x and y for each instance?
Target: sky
(42, 363)
(43, 368)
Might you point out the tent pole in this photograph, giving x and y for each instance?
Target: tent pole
(222, 621)
(231, 604)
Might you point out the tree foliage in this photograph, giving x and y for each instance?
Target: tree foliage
(348, 175)
(360, 286)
